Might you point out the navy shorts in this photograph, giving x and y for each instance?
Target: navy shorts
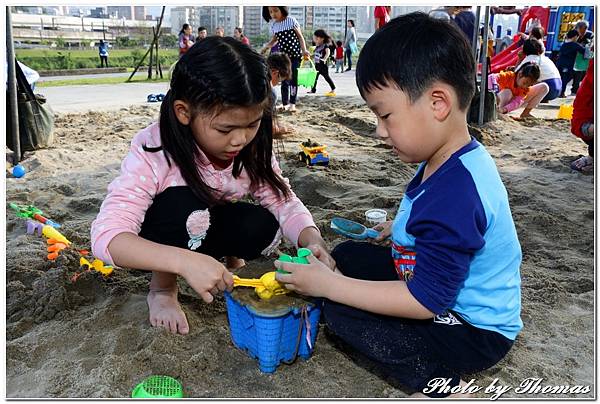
(411, 352)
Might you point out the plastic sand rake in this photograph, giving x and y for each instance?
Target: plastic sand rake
(266, 287)
(158, 387)
(352, 229)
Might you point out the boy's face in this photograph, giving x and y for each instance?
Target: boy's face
(202, 34)
(409, 128)
(275, 77)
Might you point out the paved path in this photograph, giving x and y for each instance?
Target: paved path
(81, 98)
(106, 97)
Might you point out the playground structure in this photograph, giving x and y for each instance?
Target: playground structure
(556, 21)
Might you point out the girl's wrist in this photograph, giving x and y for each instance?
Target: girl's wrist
(310, 235)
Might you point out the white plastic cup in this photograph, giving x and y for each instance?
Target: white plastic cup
(375, 216)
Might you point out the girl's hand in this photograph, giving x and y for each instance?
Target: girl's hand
(314, 279)
(205, 275)
(321, 253)
(306, 54)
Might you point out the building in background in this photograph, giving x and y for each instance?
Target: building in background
(185, 15)
(228, 17)
(253, 21)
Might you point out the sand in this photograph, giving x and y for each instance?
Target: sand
(92, 338)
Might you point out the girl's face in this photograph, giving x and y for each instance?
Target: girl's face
(187, 31)
(275, 13)
(237, 33)
(317, 40)
(349, 24)
(224, 134)
(524, 82)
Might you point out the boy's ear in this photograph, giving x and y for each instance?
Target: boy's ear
(442, 101)
(182, 112)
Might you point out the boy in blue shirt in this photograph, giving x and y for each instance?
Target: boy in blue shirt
(445, 299)
(566, 58)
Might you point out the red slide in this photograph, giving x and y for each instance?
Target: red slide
(508, 57)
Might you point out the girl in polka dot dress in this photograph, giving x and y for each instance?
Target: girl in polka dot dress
(288, 36)
(176, 208)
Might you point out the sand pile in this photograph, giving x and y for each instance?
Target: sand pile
(92, 338)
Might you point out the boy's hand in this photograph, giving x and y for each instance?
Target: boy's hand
(314, 279)
(385, 231)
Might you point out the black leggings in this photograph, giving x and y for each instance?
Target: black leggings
(413, 352)
(323, 70)
(289, 88)
(236, 229)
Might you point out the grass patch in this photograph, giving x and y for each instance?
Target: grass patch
(99, 80)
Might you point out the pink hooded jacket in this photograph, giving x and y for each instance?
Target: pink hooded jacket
(145, 175)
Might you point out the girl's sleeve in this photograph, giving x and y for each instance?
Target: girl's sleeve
(292, 215)
(128, 199)
(515, 103)
(295, 22)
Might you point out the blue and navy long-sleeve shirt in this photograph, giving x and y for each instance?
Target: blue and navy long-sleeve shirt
(455, 244)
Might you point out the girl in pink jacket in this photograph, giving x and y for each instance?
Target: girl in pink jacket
(176, 208)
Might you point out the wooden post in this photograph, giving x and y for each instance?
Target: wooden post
(150, 62)
(484, 65)
(148, 51)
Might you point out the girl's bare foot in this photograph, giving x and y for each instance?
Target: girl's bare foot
(166, 312)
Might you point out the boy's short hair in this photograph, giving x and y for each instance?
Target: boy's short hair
(532, 47)
(572, 34)
(281, 62)
(338, 43)
(412, 52)
(202, 29)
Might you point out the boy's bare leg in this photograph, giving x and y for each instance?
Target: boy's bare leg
(165, 310)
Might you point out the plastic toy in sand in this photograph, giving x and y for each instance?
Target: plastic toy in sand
(18, 171)
(158, 387)
(267, 286)
(351, 229)
(275, 330)
(565, 112)
(313, 153)
(31, 212)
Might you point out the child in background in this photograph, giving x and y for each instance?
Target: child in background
(511, 87)
(280, 67)
(186, 41)
(322, 54)
(566, 58)
(288, 35)
(172, 209)
(444, 299)
(549, 83)
(202, 33)
(339, 57)
(582, 122)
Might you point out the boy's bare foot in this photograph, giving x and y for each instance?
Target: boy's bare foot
(234, 262)
(166, 312)
(526, 116)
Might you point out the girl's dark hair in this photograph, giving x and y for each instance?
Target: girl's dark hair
(339, 43)
(267, 16)
(537, 33)
(183, 28)
(532, 47)
(214, 74)
(437, 50)
(320, 33)
(530, 70)
(351, 22)
(238, 29)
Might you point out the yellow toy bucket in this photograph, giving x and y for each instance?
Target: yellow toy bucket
(307, 75)
(565, 112)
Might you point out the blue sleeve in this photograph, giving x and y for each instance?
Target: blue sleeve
(448, 223)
